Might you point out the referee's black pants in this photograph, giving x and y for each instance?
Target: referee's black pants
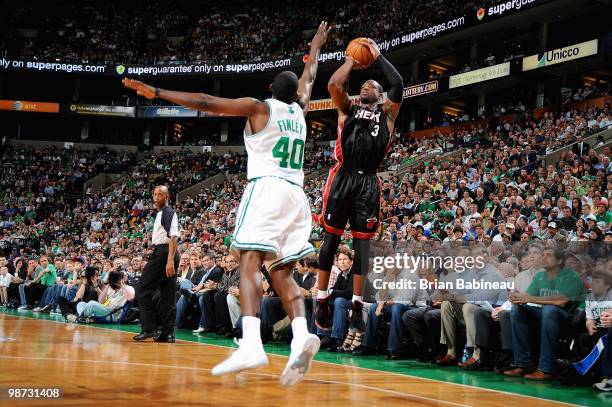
(154, 278)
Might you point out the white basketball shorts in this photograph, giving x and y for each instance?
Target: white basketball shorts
(273, 217)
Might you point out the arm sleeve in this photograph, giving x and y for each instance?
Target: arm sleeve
(174, 229)
(534, 288)
(422, 297)
(169, 222)
(589, 310)
(394, 78)
(572, 287)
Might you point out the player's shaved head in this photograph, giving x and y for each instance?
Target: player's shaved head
(371, 91)
(377, 85)
(285, 86)
(160, 196)
(162, 189)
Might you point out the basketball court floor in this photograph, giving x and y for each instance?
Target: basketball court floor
(101, 365)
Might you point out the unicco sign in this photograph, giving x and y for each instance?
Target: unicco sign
(557, 56)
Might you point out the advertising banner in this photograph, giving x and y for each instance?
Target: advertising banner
(560, 55)
(328, 104)
(166, 111)
(27, 106)
(101, 110)
(456, 23)
(421, 89)
(479, 75)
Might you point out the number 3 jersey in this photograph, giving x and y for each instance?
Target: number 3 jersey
(363, 140)
(278, 149)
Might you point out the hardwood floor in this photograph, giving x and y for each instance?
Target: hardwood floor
(97, 366)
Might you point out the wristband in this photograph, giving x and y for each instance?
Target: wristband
(156, 93)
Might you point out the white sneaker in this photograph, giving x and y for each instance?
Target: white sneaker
(300, 360)
(37, 309)
(197, 331)
(603, 385)
(71, 318)
(245, 357)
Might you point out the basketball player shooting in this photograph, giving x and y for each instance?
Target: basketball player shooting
(273, 222)
(352, 192)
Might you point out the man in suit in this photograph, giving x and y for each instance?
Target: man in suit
(194, 273)
(580, 148)
(211, 274)
(341, 297)
(213, 302)
(271, 309)
(193, 278)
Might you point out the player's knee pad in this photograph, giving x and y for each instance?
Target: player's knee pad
(328, 251)
(361, 248)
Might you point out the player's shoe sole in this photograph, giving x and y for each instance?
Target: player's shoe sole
(241, 360)
(296, 369)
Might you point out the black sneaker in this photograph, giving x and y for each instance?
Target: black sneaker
(323, 314)
(329, 343)
(165, 337)
(189, 295)
(357, 316)
(145, 335)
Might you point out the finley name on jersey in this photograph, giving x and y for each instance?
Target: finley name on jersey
(290, 125)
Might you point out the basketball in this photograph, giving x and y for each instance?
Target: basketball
(360, 52)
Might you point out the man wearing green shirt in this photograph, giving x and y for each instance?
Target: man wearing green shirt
(603, 214)
(46, 278)
(425, 205)
(549, 300)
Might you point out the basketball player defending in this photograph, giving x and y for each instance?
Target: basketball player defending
(273, 222)
(352, 192)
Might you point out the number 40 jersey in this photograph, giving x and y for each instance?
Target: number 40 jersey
(278, 149)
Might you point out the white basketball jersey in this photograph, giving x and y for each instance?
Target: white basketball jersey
(278, 149)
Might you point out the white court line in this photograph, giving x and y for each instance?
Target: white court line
(363, 386)
(338, 364)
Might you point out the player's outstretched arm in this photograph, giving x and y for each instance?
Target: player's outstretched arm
(310, 69)
(200, 101)
(336, 88)
(396, 84)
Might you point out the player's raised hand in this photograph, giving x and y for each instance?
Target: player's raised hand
(373, 46)
(321, 36)
(357, 66)
(142, 89)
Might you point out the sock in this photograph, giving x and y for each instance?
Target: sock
(322, 294)
(357, 298)
(251, 330)
(299, 327)
(476, 354)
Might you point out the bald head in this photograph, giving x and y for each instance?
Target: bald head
(160, 196)
(285, 86)
(370, 92)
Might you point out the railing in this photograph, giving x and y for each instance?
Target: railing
(404, 168)
(207, 183)
(554, 156)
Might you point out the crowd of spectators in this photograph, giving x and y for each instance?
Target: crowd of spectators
(184, 168)
(492, 198)
(178, 32)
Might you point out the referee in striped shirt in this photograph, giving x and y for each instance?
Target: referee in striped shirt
(160, 273)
